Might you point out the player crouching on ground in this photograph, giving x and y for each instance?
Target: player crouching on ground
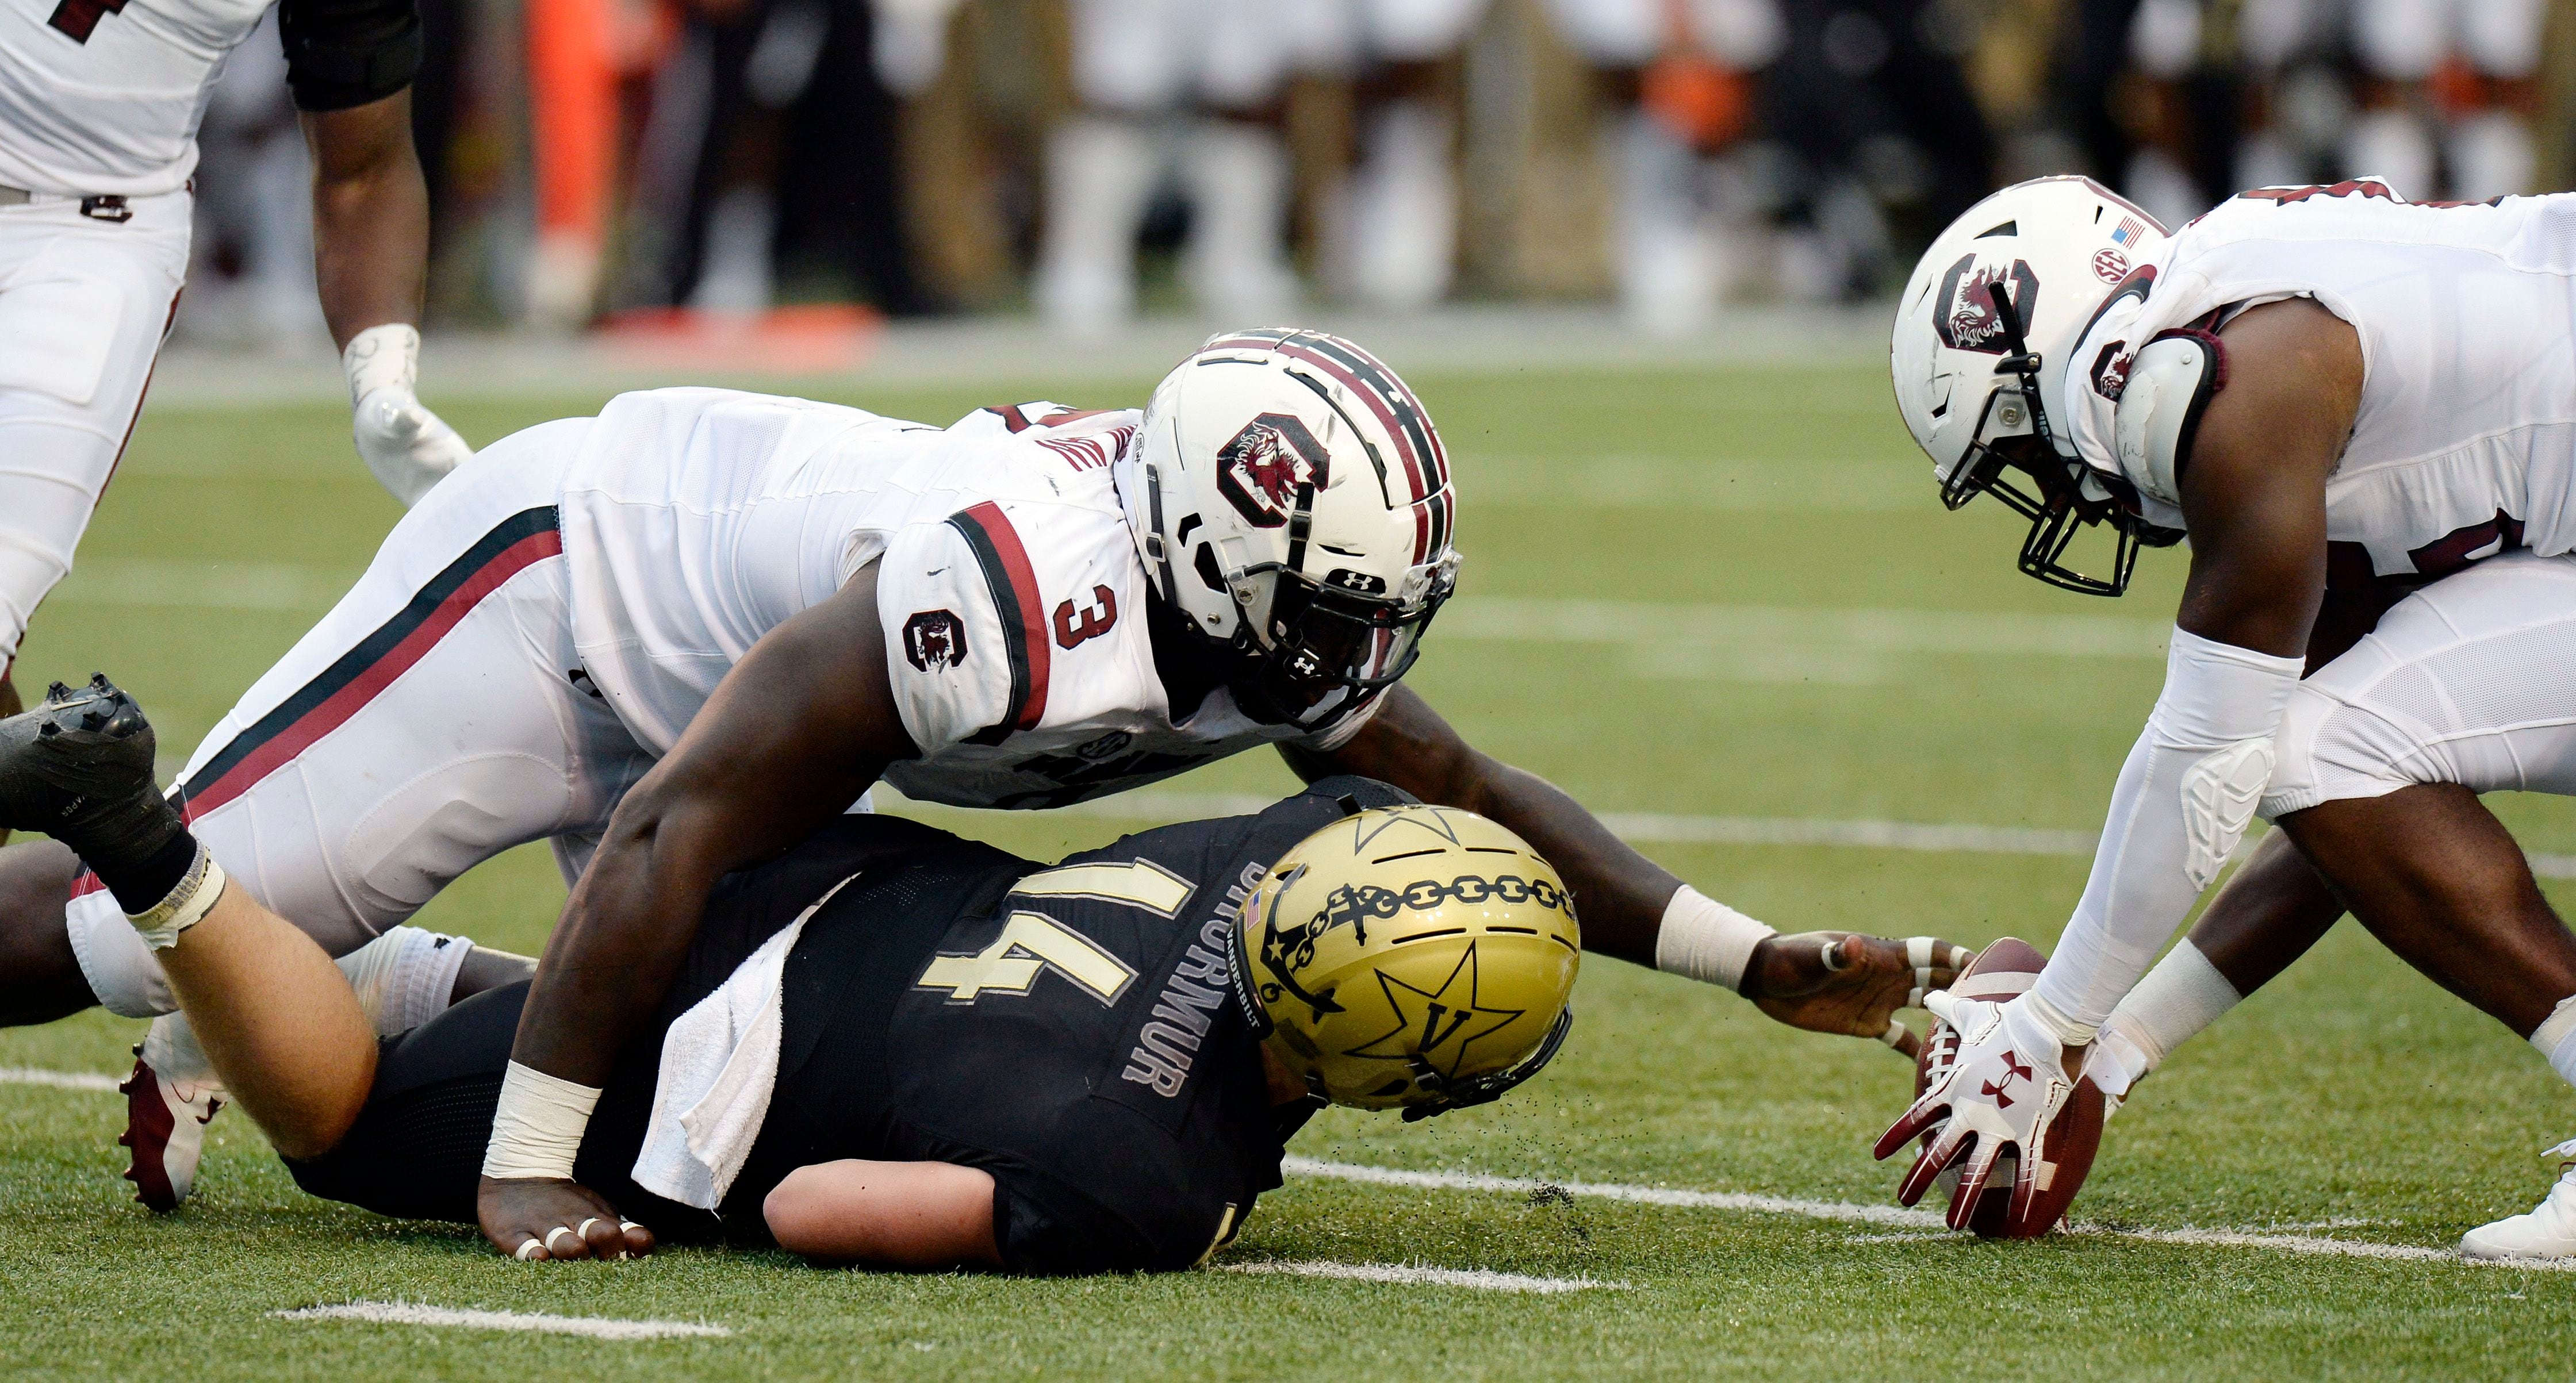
(894, 1046)
(2356, 406)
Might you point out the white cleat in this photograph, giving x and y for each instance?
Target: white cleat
(2549, 1231)
(165, 1127)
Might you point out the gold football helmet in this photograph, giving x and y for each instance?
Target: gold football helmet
(1416, 957)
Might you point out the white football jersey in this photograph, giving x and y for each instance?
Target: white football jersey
(1013, 599)
(2465, 444)
(102, 97)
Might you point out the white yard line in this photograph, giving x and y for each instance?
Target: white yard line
(1854, 1212)
(1639, 1195)
(1666, 828)
(60, 1080)
(1825, 629)
(1479, 1279)
(413, 1313)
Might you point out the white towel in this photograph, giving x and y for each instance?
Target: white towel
(719, 1067)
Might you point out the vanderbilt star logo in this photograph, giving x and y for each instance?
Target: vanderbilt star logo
(1369, 826)
(2013, 1070)
(1438, 1024)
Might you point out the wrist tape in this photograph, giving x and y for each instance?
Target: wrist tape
(1707, 940)
(184, 906)
(536, 1131)
(382, 357)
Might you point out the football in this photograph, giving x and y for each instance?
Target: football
(2001, 972)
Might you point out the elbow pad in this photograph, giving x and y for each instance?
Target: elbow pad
(2170, 384)
(344, 53)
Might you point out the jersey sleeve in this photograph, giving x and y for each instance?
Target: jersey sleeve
(344, 53)
(1045, 1230)
(965, 633)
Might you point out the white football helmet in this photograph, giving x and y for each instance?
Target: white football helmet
(1980, 355)
(1292, 504)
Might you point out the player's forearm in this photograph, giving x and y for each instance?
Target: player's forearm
(1619, 895)
(370, 217)
(612, 958)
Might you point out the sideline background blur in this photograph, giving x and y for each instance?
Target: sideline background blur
(672, 170)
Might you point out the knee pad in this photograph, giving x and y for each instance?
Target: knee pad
(119, 967)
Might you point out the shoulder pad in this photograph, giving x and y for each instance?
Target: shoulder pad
(2170, 384)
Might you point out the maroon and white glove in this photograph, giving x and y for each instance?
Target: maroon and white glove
(2001, 1096)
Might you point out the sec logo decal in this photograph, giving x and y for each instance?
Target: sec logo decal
(2110, 266)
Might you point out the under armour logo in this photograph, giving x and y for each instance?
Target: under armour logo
(1994, 1089)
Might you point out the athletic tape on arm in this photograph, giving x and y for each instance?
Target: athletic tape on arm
(1706, 940)
(2183, 801)
(536, 1130)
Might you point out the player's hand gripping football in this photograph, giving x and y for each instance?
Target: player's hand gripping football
(538, 1219)
(1849, 984)
(2000, 1096)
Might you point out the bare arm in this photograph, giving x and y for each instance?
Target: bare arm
(370, 215)
(1619, 893)
(1833, 982)
(930, 1216)
(800, 727)
(2254, 492)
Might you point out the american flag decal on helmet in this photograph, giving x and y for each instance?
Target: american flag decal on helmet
(1418, 452)
(2128, 232)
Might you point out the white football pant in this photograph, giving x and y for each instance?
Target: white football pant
(2471, 680)
(435, 718)
(84, 305)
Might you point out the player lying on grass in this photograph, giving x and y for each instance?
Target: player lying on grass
(893, 1046)
(2344, 398)
(677, 638)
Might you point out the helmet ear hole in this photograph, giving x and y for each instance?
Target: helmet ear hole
(1207, 569)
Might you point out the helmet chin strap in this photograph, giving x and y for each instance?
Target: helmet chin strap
(2023, 363)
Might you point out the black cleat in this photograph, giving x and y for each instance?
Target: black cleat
(79, 767)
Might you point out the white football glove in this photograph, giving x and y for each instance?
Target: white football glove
(2000, 1094)
(404, 444)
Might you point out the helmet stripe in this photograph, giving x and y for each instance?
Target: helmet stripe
(1410, 420)
(1388, 411)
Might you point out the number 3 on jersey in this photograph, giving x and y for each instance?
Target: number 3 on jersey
(1075, 624)
(1030, 944)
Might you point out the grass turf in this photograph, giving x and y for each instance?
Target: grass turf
(2351, 1099)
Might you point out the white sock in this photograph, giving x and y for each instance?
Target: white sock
(113, 957)
(170, 1049)
(1236, 261)
(1404, 212)
(1100, 172)
(404, 977)
(2556, 1039)
(2181, 996)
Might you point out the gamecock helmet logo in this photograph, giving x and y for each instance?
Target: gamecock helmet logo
(1967, 320)
(1261, 469)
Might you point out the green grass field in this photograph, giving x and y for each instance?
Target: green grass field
(1723, 595)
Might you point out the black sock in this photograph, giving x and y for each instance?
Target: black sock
(140, 885)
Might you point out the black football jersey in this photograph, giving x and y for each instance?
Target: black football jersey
(1071, 1029)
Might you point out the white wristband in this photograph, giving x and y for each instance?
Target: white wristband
(1707, 940)
(185, 905)
(382, 357)
(536, 1131)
